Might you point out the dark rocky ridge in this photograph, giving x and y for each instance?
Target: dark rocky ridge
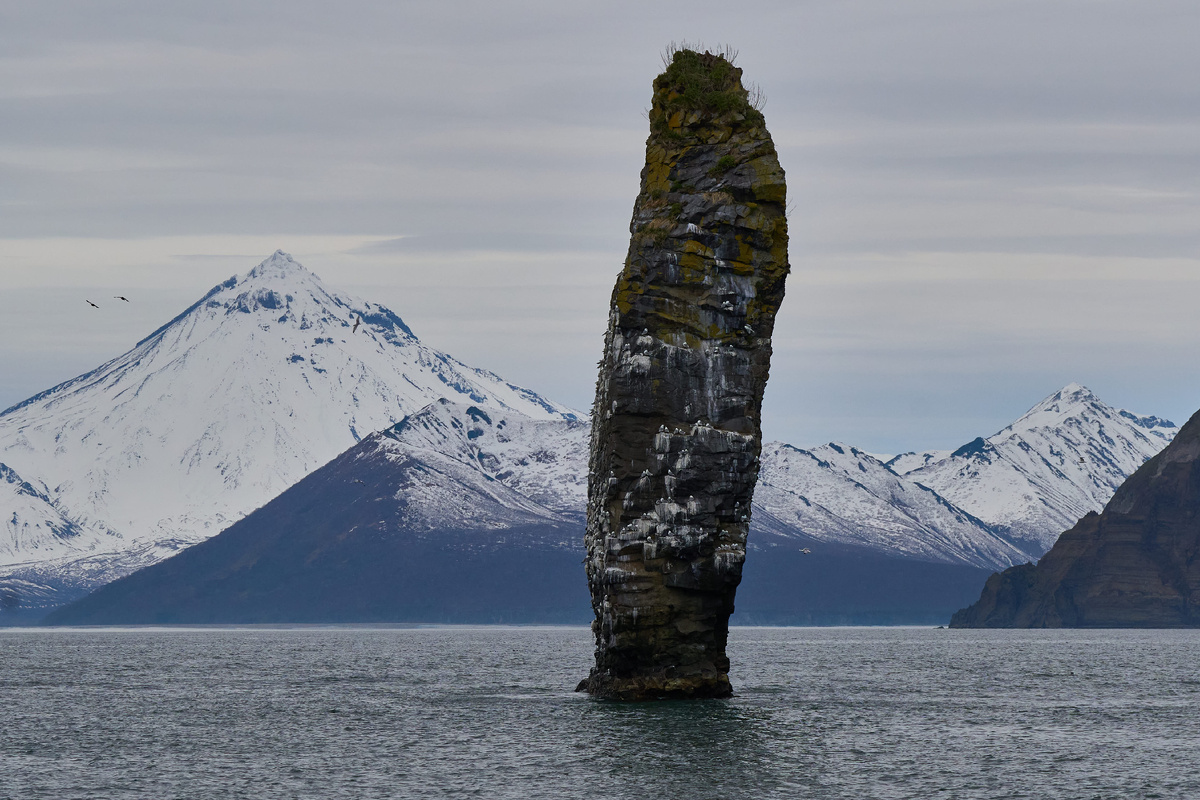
(676, 423)
(1137, 564)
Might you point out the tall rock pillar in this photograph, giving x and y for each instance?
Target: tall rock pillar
(676, 425)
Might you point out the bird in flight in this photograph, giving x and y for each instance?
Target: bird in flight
(357, 322)
(118, 297)
(93, 305)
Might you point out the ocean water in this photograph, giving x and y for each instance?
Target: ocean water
(490, 713)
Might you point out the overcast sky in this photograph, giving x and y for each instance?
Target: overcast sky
(988, 199)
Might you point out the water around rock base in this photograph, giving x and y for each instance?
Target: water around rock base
(490, 712)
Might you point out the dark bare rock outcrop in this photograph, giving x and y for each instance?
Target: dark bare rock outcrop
(676, 423)
(1136, 565)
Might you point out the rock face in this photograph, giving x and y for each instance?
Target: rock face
(676, 424)
(1137, 564)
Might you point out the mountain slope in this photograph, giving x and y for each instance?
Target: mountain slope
(31, 522)
(1137, 564)
(462, 514)
(265, 379)
(244, 393)
(839, 494)
(453, 515)
(457, 514)
(480, 468)
(1060, 460)
(493, 469)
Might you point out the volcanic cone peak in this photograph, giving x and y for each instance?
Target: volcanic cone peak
(676, 423)
(269, 375)
(278, 264)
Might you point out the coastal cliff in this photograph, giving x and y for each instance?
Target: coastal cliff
(676, 424)
(1136, 565)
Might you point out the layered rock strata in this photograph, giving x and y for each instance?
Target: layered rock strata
(1137, 564)
(676, 423)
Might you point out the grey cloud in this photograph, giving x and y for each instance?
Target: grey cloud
(455, 130)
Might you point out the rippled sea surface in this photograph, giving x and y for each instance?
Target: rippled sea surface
(489, 712)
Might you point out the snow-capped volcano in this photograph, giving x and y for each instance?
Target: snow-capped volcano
(1035, 478)
(267, 377)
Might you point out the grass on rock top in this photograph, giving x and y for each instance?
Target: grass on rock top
(704, 82)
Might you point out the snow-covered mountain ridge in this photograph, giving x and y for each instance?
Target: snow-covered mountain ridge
(453, 468)
(457, 467)
(837, 493)
(1036, 477)
(422, 520)
(488, 470)
(265, 378)
(832, 494)
(270, 375)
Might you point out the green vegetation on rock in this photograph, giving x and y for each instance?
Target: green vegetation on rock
(723, 165)
(706, 82)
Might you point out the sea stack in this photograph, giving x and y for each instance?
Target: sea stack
(1136, 565)
(676, 428)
